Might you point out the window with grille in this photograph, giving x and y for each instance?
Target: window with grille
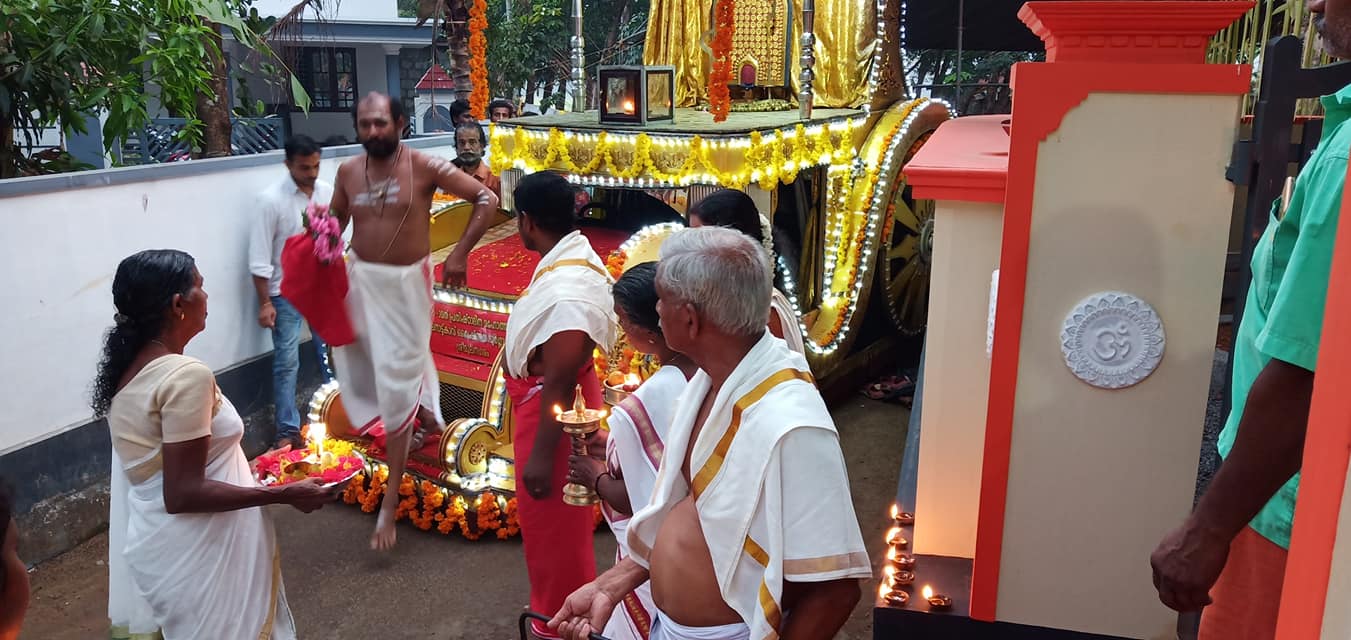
(329, 75)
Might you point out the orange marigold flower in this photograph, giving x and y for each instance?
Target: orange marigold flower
(719, 94)
(478, 58)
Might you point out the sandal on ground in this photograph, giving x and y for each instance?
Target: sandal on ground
(889, 388)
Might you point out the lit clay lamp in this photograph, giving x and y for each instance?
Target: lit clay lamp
(895, 539)
(899, 575)
(937, 601)
(892, 597)
(902, 518)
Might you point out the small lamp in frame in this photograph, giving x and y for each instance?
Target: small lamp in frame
(636, 95)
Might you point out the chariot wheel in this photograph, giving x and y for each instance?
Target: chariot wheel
(905, 264)
(904, 261)
(468, 444)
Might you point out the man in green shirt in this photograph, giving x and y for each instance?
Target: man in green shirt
(1229, 556)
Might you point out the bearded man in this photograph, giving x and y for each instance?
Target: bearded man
(558, 322)
(387, 376)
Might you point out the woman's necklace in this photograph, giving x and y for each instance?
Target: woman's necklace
(161, 343)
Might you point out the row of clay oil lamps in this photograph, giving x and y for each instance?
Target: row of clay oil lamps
(899, 569)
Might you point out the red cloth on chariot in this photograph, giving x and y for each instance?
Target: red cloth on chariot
(317, 290)
(559, 555)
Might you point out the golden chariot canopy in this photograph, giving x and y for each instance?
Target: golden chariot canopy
(767, 34)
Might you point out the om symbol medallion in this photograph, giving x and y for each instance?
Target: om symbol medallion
(1112, 340)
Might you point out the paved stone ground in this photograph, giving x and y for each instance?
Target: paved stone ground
(434, 586)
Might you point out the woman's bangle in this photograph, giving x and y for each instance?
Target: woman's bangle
(265, 304)
(596, 489)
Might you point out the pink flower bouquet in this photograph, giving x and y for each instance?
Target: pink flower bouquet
(327, 233)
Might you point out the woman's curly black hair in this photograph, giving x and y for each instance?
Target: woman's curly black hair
(143, 289)
(636, 293)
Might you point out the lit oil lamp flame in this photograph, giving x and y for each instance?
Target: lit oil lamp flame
(891, 554)
(894, 535)
(895, 511)
(318, 432)
(558, 411)
(937, 601)
(632, 380)
(628, 106)
(892, 597)
(889, 572)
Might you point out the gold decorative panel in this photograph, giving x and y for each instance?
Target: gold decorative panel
(761, 38)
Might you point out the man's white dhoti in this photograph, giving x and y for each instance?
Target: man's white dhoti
(769, 483)
(388, 371)
(668, 629)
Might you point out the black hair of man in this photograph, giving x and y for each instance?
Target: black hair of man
(458, 108)
(299, 146)
(396, 112)
(472, 126)
(547, 198)
(500, 103)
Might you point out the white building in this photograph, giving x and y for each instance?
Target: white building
(346, 51)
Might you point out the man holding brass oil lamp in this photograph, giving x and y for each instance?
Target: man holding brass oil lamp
(552, 332)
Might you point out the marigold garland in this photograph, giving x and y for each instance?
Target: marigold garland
(766, 160)
(478, 59)
(719, 93)
(614, 263)
(430, 506)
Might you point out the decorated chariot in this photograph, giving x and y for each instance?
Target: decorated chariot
(802, 111)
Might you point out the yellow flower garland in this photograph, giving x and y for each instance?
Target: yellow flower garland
(767, 159)
(764, 162)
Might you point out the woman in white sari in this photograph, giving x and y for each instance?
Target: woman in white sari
(191, 552)
(735, 209)
(633, 450)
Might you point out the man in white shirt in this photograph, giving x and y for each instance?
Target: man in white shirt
(278, 216)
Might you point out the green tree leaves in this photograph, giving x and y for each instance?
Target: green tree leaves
(63, 59)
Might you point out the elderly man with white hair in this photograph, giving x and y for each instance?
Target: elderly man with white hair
(751, 531)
